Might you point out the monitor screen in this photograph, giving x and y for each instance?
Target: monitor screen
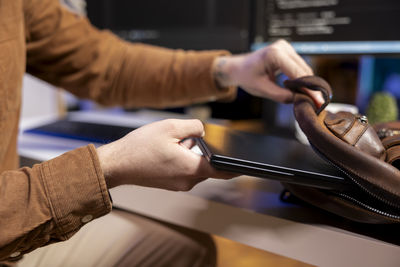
(332, 26)
(206, 24)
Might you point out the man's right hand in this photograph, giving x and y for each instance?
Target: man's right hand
(154, 156)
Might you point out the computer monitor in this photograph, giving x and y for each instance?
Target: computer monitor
(331, 26)
(205, 24)
(353, 44)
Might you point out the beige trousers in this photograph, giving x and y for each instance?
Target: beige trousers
(126, 239)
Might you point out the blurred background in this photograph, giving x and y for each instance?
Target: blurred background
(354, 45)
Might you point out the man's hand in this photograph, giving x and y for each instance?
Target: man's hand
(155, 156)
(255, 72)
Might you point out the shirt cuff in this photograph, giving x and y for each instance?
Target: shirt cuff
(76, 189)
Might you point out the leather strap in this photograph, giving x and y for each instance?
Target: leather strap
(389, 132)
(392, 145)
(314, 83)
(391, 141)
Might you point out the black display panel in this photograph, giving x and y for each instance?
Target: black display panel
(201, 24)
(337, 26)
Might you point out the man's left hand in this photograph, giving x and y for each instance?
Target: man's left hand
(255, 72)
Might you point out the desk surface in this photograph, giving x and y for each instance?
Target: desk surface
(244, 209)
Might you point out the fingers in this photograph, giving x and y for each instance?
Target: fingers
(282, 56)
(206, 170)
(280, 94)
(306, 69)
(291, 64)
(182, 129)
(198, 166)
(203, 168)
(275, 92)
(189, 143)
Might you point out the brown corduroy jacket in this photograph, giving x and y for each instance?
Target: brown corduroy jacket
(53, 200)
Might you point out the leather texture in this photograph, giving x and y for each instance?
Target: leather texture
(313, 83)
(355, 131)
(389, 133)
(375, 194)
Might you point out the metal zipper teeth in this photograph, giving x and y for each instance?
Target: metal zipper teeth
(356, 182)
(368, 207)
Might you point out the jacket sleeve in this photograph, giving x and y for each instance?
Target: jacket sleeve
(58, 197)
(65, 50)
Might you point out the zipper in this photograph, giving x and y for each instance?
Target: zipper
(364, 189)
(368, 207)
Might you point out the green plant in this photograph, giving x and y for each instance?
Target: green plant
(382, 108)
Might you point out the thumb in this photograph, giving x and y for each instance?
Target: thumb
(188, 128)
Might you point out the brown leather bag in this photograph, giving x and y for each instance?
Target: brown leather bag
(368, 156)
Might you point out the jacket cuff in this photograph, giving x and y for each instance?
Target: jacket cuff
(76, 189)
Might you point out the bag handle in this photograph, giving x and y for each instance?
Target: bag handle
(314, 83)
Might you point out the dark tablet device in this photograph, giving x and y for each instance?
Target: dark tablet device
(270, 157)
